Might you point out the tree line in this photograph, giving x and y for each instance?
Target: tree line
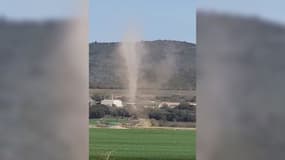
(184, 112)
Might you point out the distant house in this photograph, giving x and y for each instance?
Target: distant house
(111, 102)
(173, 104)
(91, 102)
(169, 104)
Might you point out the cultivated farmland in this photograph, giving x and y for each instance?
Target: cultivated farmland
(141, 144)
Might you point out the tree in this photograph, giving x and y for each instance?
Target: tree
(98, 111)
(182, 114)
(185, 106)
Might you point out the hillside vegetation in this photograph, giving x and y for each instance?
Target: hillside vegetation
(165, 65)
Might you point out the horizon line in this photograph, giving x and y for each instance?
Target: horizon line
(97, 41)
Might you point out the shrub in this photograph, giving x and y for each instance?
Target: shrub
(100, 110)
(179, 114)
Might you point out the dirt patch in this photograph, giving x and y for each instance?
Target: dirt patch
(118, 127)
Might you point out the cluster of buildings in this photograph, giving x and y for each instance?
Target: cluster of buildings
(107, 102)
(119, 103)
(173, 104)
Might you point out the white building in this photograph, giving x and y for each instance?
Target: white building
(169, 104)
(91, 102)
(111, 102)
(173, 104)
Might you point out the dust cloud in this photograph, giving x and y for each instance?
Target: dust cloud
(131, 50)
(166, 67)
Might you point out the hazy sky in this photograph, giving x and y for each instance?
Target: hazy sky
(156, 19)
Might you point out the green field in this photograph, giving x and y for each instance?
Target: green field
(108, 121)
(141, 144)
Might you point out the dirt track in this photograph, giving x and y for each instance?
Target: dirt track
(119, 127)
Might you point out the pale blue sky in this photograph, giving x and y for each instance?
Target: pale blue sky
(156, 19)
